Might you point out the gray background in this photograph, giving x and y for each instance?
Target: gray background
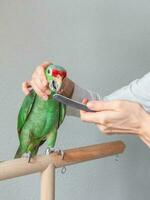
(104, 45)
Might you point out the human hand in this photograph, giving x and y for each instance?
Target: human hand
(119, 116)
(40, 84)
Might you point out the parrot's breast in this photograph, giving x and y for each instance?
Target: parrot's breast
(43, 117)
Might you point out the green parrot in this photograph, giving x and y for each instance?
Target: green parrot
(38, 120)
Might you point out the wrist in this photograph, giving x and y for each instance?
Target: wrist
(145, 121)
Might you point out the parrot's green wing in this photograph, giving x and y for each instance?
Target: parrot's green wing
(25, 110)
(62, 113)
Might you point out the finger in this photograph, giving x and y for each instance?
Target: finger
(26, 87)
(42, 72)
(90, 117)
(46, 64)
(38, 91)
(37, 79)
(112, 128)
(101, 128)
(42, 66)
(103, 117)
(102, 105)
(43, 89)
(47, 92)
(104, 129)
(84, 101)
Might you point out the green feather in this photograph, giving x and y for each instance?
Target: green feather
(25, 110)
(62, 113)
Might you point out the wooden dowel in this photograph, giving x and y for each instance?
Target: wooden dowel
(82, 154)
(48, 183)
(20, 167)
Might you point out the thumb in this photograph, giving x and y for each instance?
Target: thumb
(26, 87)
(84, 101)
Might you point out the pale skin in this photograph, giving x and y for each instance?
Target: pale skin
(111, 117)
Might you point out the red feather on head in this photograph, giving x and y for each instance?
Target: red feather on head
(55, 73)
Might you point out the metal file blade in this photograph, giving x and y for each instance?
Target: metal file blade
(70, 102)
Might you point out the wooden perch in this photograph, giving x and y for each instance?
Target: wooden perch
(47, 164)
(20, 167)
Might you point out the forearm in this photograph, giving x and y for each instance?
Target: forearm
(145, 130)
(138, 90)
(136, 120)
(145, 125)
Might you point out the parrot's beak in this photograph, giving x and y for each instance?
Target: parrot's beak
(56, 83)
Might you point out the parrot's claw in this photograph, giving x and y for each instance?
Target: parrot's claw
(62, 153)
(53, 150)
(28, 155)
(29, 158)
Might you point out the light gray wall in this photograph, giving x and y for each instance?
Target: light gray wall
(104, 44)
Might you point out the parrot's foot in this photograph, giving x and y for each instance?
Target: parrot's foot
(28, 155)
(53, 150)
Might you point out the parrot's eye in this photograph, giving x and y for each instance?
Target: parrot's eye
(49, 71)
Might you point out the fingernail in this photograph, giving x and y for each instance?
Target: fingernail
(48, 92)
(45, 83)
(45, 98)
(90, 104)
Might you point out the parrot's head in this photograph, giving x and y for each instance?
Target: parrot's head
(55, 75)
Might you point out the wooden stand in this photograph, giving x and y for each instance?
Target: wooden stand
(46, 165)
(48, 183)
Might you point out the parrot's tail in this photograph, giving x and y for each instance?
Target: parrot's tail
(18, 153)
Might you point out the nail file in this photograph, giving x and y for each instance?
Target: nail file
(72, 103)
